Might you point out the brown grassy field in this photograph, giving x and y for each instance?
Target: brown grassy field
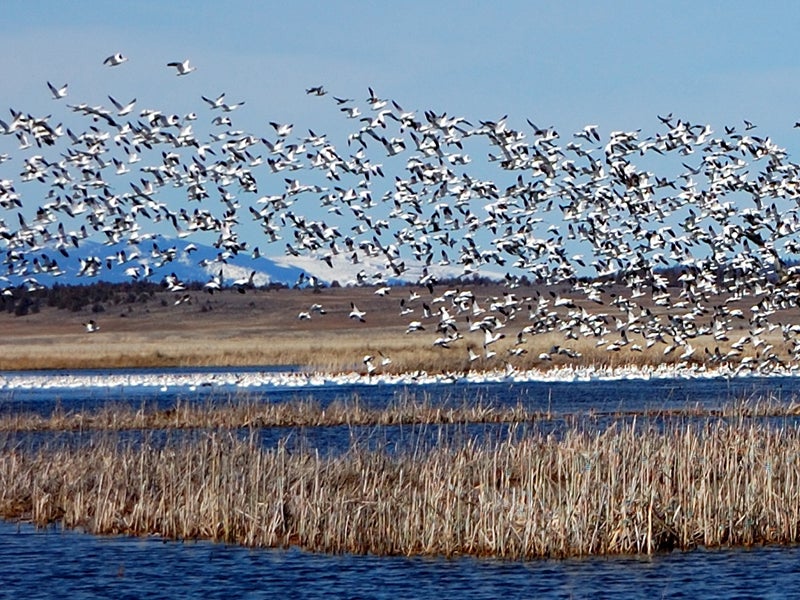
(262, 327)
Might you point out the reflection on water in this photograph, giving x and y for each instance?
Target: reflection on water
(36, 564)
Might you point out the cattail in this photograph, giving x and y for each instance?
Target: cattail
(640, 485)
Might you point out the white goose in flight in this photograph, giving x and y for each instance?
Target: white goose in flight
(183, 68)
(58, 93)
(123, 109)
(115, 60)
(241, 284)
(356, 314)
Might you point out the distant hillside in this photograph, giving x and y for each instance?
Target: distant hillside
(192, 262)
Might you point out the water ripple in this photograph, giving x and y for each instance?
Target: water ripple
(52, 563)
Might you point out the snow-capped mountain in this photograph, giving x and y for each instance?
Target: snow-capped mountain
(193, 262)
(154, 260)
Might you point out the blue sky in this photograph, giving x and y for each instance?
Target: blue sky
(617, 64)
(562, 64)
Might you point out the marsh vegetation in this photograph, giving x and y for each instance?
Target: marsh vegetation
(636, 485)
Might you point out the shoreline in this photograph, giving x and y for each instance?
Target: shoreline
(270, 378)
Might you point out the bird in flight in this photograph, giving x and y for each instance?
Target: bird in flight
(183, 68)
(355, 313)
(558, 203)
(115, 60)
(123, 109)
(58, 93)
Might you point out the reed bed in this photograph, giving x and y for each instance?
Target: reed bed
(255, 412)
(627, 489)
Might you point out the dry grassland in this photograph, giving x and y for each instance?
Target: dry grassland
(262, 328)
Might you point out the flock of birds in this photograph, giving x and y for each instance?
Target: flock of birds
(584, 215)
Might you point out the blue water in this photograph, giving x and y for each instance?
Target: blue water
(563, 397)
(56, 564)
(588, 404)
(584, 404)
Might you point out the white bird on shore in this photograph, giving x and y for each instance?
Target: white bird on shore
(91, 326)
(184, 299)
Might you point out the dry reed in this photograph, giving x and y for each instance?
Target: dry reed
(245, 411)
(254, 412)
(629, 488)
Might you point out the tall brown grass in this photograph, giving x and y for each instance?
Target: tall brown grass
(254, 411)
(630, 488)
(245, 411)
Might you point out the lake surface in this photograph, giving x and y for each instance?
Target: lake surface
(163, 387)
(56, 564)
(52, 563)
(589, 404)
